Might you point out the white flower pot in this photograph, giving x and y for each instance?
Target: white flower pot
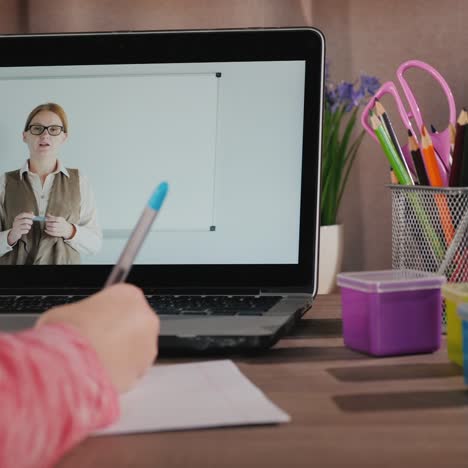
(330, 257)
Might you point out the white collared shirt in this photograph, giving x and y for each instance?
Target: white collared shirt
(88, 237)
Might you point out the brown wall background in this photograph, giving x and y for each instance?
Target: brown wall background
(372, 36)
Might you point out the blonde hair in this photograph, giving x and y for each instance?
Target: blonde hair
(52, 107)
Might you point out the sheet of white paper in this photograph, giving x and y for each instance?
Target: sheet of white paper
(191, 396)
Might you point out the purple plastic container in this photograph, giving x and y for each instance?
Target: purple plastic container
(391, 312)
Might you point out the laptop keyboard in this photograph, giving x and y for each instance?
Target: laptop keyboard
(164, 305)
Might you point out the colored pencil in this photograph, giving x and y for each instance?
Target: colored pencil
(439, 158)
(436, 181)
(451, 128)
(417, 159)
(455, 171)
(464, 169)
(452, 139)
(383, 116)
(430, 159)
(390, 151)
(452, 255)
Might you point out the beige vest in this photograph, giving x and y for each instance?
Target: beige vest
(37, 247)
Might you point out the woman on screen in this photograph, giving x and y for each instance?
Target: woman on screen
(47, 212)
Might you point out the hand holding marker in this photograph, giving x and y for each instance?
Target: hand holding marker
(120, 271)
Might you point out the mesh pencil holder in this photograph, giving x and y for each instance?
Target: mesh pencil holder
(430, 230)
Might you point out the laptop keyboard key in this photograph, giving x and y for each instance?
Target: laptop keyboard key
(219, 312)
(194, 312)
(250, 312)
(164, 305)
(29, 304)
(167, 311)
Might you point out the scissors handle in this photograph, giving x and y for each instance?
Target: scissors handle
(387, 88)
(415, 111)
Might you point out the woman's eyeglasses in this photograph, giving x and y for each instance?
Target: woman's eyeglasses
(53, 130)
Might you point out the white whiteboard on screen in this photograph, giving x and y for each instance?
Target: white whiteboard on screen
(128, 133)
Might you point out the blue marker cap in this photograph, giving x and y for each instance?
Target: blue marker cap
(158, 196)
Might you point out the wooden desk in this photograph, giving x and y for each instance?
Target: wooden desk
(347, 409)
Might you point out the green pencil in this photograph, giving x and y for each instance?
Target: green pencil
(403, 177)
(390, 151)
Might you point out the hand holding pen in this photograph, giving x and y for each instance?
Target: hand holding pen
(121, 269)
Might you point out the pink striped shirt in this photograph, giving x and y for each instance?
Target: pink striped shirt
(53, 392)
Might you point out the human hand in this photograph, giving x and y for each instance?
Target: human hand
(56, 226)
(120, 325)
(21, 225)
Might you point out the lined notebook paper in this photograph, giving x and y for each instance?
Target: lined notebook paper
(193, 396)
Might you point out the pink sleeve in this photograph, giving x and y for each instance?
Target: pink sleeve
(53, 392)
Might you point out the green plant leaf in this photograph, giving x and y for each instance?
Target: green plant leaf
(338, 155)
(352, 156)
(340, 141)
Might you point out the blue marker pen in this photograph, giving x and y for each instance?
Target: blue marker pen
(121, 269)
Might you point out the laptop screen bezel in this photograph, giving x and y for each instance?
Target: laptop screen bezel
(305, 44)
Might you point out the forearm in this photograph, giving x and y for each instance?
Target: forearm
(53, 392)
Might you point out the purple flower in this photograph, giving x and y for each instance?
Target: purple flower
(357, 97)
(340, 141)
(348, 95)
(345, 91)
(370, 84)
(331, 97)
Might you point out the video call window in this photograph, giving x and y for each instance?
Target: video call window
(226, 136)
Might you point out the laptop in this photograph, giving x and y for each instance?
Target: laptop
(231, 119)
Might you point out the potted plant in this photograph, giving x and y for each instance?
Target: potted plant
(340, 147)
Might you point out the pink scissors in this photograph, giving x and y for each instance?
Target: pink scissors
(441, 140)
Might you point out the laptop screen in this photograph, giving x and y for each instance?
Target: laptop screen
(225, 117)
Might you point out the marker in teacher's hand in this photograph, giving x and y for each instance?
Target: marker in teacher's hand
(121, 269)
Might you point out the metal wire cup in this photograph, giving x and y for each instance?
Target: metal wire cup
(430, 230)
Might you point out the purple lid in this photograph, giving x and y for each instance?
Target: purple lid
(390, 280)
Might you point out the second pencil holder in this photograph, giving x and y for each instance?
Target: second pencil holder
(430, 230)
(454, 294)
